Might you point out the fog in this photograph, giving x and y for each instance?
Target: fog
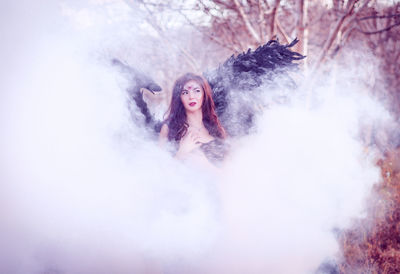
(85, 190)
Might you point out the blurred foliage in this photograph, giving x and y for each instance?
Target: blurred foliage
(372, 244)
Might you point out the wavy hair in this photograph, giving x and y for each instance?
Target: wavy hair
(176, 119)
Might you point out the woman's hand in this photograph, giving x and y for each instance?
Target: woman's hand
(188, 143)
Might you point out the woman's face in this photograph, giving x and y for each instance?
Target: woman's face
(192, 96)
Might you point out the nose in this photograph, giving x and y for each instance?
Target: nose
(191, 94)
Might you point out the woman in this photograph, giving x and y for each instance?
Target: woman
(192, 124)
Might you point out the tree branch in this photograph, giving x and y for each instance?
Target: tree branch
(211, 37)
(332, 36)
(261, 19)
(379, 16)
(266, 4)
(224, 4)
(188, 58)
(345, 37)
(234, 38)
(273, 16)
(378, 31)
(246, 21)
(282, 31)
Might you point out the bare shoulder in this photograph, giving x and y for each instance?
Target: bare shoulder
(164, 130)
(163, 137)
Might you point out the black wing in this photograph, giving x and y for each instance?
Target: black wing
(235, 83)
(139, 82)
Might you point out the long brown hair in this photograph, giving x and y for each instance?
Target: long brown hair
(176, 119)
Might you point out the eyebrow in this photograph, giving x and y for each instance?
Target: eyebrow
(192, 89)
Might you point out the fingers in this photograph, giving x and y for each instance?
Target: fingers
(193, 136)
(198, 144)
(191, 141)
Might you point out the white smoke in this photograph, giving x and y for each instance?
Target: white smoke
(292, 184)
(84, 191)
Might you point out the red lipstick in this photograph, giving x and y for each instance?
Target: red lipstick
(192, 104)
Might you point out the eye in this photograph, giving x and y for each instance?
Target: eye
(197, 90)
(184, 92)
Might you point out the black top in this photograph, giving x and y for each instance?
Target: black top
(215, 150)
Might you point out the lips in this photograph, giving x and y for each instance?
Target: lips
(192, 104)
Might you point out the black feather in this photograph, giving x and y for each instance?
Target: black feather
(140, 80)
(244, 73)
(233, 82)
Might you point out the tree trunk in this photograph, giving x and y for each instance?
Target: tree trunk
(302, 30)
(273, 17)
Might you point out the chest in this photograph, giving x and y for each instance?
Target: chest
(203, 135)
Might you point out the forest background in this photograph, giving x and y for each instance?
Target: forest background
(197, 35)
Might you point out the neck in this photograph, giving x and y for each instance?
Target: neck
(195, 119)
